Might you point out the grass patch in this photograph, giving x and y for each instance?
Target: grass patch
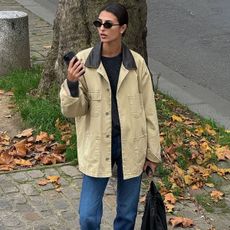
(205, 201)
(210, 206)
(37, 112)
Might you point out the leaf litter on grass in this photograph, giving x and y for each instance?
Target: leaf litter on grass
(26, 150)
(190, 151)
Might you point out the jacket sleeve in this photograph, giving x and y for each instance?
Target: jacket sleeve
(153, 138)
(73, 106)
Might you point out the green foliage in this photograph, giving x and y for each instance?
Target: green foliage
(162, 170)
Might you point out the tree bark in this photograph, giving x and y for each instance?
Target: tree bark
(73, 30)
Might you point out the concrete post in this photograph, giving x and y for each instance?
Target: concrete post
(14, 41)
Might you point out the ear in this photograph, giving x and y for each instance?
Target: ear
(123, 28)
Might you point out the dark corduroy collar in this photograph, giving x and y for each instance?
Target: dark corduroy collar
(94, 58)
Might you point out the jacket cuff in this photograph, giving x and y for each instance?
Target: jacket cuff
(151, 157)
(73, 88)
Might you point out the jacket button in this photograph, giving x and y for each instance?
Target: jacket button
(107, 136)
(107, 159)
(107, 89)
(107, 113)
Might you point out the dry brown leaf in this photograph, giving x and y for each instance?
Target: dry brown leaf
(2, 92)
(22, 162)
(40, 148)
(6, 158)
(204, 147)
(6, 167)
(46, 160)
(195, 187)
(59, 148)
(4, 139)
(43, 137)
(53, 179)
(210, 185)
(58, 158)
(21, 149)
(43, 182)
(25, 133)
(177, 118)
(217, 195)
(170, 198)
(199, 131)
(223, 153)
(210, 130)
(184, 222)
(188, 179)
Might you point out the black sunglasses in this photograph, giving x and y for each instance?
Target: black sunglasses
(106, 24)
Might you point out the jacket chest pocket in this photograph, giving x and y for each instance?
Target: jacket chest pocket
(95, 103)
(136, 106)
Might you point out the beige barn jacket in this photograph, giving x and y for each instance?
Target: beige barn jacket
(92, 113)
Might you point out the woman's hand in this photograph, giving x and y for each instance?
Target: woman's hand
(152, 166)
(75, 70)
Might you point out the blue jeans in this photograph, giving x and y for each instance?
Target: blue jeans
(91, 206)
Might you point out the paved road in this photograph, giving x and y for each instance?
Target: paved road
(193, 38)
(188, 43)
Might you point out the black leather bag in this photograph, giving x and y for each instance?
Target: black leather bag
(154, 217)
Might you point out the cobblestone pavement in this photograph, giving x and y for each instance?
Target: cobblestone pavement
(25, 205)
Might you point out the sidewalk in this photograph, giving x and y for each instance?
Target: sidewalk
(26, 205)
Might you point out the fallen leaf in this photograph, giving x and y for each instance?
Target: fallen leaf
(184, 222)
(199, 131)
(195, 187)
(204, 147)
(43, 182)
(5, 158)
(25, 133)
(53, 179)
(43, 137)
(4, 139)
(210, 130)
(177, 118)
(6, 167)
(223, 153)
(210, 185)
(188, 179)
(217, 195)
(170, 198)
(21, 149)
(22, 162)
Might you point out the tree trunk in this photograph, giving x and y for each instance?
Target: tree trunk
(73, 30)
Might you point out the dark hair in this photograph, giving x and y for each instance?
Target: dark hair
(119, 11)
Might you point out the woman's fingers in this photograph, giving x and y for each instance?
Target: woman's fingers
(75, 70)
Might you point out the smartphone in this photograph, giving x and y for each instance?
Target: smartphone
(68, 56)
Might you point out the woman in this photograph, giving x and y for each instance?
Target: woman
(109, 92)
